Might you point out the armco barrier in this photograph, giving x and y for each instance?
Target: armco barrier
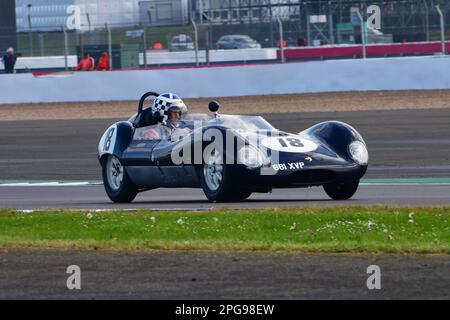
(317, 76)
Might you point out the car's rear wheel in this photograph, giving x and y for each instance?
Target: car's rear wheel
(215, 177)
(341, 190)
(118, 185)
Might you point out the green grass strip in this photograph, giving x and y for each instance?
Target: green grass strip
(380, 229)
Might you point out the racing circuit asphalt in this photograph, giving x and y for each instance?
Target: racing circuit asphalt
(402, 144)
(93, 197)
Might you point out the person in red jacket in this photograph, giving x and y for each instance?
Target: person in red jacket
(103, 62)
(86, 64)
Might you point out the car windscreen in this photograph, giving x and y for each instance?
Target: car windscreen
(193, 120)
(197, 117)
(242, 40)
(244, 123)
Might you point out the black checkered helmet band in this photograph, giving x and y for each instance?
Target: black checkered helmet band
(164, 103)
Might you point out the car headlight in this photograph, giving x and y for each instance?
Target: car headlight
(251, 157)
(358, 152)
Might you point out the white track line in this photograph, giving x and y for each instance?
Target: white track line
(86, 183)
(364, 182)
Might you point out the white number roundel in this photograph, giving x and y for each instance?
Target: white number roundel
(289, 144)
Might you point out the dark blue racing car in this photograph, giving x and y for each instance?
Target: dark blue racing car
(228, 156)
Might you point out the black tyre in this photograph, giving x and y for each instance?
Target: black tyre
(216, 178)
(118, 185)
(240, 194)
(341, 190)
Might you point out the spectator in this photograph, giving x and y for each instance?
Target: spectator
(86, 64)
(301, 41)
(103, 62)
(9, 60)
(157, 46)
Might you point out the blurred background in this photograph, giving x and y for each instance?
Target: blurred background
(199, 32)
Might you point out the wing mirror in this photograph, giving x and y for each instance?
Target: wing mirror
(214, 107)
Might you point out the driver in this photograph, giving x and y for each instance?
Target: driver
(169, 109)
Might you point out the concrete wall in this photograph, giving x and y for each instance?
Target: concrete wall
(317, 76)
(156, 57)
(53, 62)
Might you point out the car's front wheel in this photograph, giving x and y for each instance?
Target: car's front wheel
(341, 190)
(240, 194)
(118, 185)
(215, 177)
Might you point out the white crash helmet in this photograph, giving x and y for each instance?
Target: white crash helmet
(166, 102)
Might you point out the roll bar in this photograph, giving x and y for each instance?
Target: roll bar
(142, 99)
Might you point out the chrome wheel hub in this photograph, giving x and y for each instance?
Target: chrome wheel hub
(213, 170)
(114, 170)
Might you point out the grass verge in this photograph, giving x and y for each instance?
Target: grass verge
(310, 229)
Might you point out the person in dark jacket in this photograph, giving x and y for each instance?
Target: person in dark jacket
(9, 60)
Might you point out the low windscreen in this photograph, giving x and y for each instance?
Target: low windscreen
(244, 123)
